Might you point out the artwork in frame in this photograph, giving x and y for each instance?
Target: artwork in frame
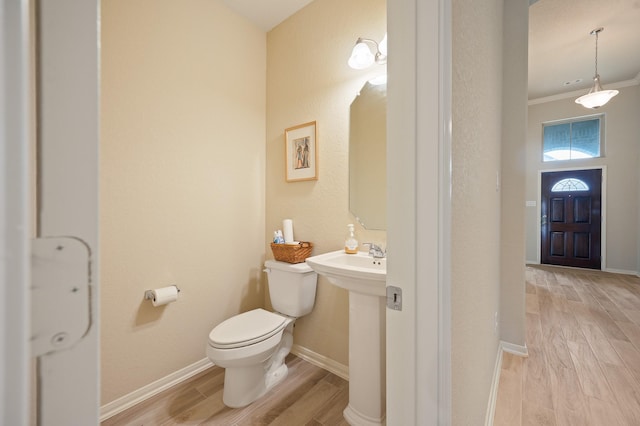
(301, 152)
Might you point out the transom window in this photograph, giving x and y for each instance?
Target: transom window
(570, 184)
(572, 139)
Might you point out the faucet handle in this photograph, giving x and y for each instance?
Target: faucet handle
(375, 250)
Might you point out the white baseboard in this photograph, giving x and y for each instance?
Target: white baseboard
(621, 271)
(321, 361)
(514, 349)
(493, 393)
(119, 405)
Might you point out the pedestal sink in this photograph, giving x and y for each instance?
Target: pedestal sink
(365, 279)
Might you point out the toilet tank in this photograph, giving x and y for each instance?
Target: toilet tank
(292, 287)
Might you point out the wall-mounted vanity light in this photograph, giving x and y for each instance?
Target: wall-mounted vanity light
(363, 56)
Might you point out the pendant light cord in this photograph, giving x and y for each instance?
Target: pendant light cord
(597, 32)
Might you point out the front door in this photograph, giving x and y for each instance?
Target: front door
(571, 203)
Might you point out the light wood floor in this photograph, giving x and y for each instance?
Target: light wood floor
(583, 338)
(309, 396)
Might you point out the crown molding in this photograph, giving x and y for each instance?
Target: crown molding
(576, 93)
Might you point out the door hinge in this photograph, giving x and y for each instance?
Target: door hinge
(60, 293)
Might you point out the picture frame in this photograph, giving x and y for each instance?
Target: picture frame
(301, 152)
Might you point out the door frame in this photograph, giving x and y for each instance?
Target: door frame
(603, 232)
(68, 117)
(418, 343)
(14, 213)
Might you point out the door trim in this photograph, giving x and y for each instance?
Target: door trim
(15, 212)
(603, 232)
(419, 337)
(68, 152)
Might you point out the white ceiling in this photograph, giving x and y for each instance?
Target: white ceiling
(560, 47)
(266, 13)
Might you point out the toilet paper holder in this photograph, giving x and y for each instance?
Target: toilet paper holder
(148, 295)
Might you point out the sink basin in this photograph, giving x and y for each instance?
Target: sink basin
(354, 272)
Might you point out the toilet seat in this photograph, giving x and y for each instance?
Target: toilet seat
(247, 329)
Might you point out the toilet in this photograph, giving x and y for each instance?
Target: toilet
(252, 346)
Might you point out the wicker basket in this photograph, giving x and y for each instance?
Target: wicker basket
(292, 253)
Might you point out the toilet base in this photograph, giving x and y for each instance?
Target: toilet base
(243, 385)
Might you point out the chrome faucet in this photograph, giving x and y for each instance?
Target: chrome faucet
(375, 251)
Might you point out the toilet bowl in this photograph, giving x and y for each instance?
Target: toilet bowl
(252, 346)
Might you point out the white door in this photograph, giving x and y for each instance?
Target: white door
(66, 98)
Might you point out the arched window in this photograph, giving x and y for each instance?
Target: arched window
(570, 184)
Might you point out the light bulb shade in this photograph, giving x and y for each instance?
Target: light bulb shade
(383, 45)
(596, 96)
(595, 100)
(361, 56)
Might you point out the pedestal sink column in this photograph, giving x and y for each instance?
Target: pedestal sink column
(365, 278)
(367, 360)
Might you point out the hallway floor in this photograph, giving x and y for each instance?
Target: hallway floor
(583, 338)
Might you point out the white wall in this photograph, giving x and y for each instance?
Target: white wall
(182, 181)
(476, 205)
(512, 179)
(621, 147)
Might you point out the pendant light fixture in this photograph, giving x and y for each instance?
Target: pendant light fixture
(363, 57)
(596, 96)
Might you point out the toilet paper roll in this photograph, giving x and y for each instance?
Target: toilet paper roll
(287, 230)
(164, 295)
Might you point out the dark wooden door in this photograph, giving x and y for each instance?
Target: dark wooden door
(571, 206)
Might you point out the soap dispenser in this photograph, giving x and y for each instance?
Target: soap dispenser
(350, 243)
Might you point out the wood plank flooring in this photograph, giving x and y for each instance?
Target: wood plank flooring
(583, 338)
(309, 396)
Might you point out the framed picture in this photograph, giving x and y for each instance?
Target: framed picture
(301, 152)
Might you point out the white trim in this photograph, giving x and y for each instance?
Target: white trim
(603, 212)
(503, 347)
(125, 402)
(532, 262)
(512, 348)
(577, 93)
(493, 393)
(321, 361)
(444, 221)
(14, 213)
(621, 271)
(68, 119)
(419, 118)
(610, 270)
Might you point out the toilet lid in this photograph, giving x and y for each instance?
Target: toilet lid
(246, 329)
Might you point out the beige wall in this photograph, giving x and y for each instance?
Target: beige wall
(622, 147)
(182, 181)
(174, 98)
(476, 146)
(512, 179)
(308, 79)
